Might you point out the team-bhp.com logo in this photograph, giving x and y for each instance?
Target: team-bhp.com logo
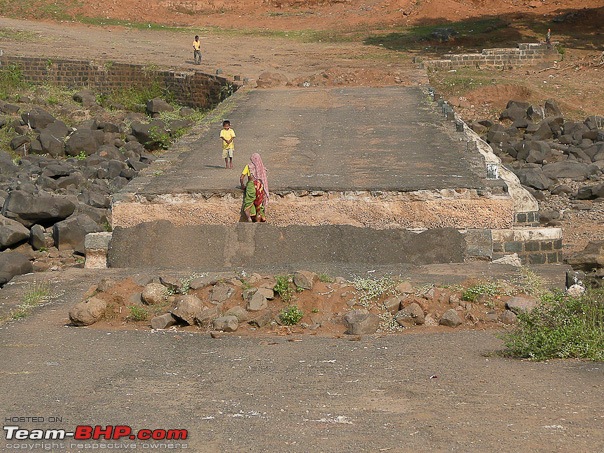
(87, 432)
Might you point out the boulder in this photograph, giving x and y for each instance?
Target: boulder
(7, 166)
(11, 232)
(551, 108)
(226, 323)
(85, 141)
(163, 321)
(71, 232)
(85, 97)
(154, 294)
(521, 304)
(305, 279)
(220, 293)
(37, 237)
(29, 209)
(567, 169)
(590, 258)
(533, 177)
(37, 118)
(450, 318)
(88, 312)
(240, 313)
(156, 106)
(12, 264)
(411, 315)
(188, 308)
(361, 322)
(508, 317)
(52, 139)
(257, 302)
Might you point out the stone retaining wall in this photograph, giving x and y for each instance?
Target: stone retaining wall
(192, 88)
(533, 245)
(525, 54)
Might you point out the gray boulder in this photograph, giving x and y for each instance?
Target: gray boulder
(361, 322)
(450, 319)
(156, 106)
(37, 118)
(12, 264)
(29, 209)
(52, 139)
(11, 232)
(567, 169)
(533, 177)
(163, 321)
(71, 232)
(188, 308)
(305, 279)
(226, 323)
(37, 237)
(590, 258)
(85, 97)
(551, 108)
(7, 166)
(520, 304)
(85, 141)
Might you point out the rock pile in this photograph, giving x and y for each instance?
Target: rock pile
(259, 303)
(56, 181)
(543, 148)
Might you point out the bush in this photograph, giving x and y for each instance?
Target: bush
(137, 313)
(561, 327)
(472, 293)
(283, 288)
(291, 315)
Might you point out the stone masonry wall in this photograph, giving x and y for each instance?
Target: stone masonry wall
(525, 54)
(192, 89)
(533, 245)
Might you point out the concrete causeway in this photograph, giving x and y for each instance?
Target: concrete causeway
(344, 165)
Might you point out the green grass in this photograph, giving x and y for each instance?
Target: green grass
(11, 80)
(560, 327)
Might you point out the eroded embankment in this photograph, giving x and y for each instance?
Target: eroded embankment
(456, 208)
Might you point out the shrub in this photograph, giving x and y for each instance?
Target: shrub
(291, 315)
(138, 313)
(283, 288)
(472, 293)
(560, 327)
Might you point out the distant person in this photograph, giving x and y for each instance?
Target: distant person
(227, 136)
(255, 195)
(548, 37)
(197, 50)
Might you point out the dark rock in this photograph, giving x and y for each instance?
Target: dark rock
(533, 177)
(226, 323)
(12, 264)
(85, 97)
(163, 321)
(70, 233)
(28, 209)
(11, 232)
(188, 308)
(7, 166)
(83, 141)
(521, 304)
(37, 237)
(573, 170)
(411, 315)
(551, 108)
(37, 119)
(156, 106)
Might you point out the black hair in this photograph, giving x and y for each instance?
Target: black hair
(226, 122)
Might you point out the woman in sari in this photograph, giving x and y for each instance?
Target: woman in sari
(255, 197)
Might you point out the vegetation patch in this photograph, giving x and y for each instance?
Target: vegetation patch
(560, 327)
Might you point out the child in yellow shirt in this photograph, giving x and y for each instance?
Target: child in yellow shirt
(227, 135)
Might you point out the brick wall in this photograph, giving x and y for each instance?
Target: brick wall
(191, 88)
(524, 54)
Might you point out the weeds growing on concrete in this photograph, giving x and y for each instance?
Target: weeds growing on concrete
(560, 327)
(33, 297)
